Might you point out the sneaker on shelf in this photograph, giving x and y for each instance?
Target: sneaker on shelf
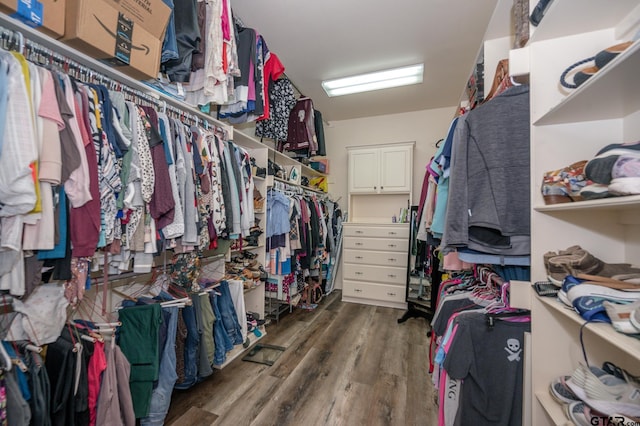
(583, 415)
(599, 169)
(620, 316)
(626, 166)
(567, 284)
(561, 392)
(634, 317)
(625, 186)
(588, 300)
(606, 393)
(595, 191)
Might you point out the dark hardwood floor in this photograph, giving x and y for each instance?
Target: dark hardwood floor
(345, 364)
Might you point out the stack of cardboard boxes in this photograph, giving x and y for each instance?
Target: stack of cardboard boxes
(127, 34)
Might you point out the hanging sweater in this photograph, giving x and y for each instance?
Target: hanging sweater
(489, 189)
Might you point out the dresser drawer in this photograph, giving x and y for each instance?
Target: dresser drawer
(383, 292)
(383, 258)
(382, 244)
(395, 231)
(383, 274)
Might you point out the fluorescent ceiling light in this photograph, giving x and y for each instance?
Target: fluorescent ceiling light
(374, 81)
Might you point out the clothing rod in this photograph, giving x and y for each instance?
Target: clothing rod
(112, 73)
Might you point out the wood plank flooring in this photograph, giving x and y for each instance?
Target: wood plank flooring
(345, 364)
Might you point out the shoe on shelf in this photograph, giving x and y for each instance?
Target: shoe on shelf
(625, 186)
(600, 168)
(606, 393)
(583, 262)
(595, 191)
(588, 300)
(634, 317)
(561, 392)
(620, 316)
(564, 185)
(605, 56)
(590, 66)
(583, 415)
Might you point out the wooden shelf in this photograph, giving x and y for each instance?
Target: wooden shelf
(613, 92)
(553, 409)
(597, 15)
(239, 350)
(618, 340)
(631, 202)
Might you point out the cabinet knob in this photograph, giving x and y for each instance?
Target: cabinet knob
(392, 260)
(392, 233)
(358, 257)
(391, 294)
(359, 232)
(358, 273)
(382, 187)
(391, 275)
(392, 245)
(357, 290)
(358, 244)
(375, 187)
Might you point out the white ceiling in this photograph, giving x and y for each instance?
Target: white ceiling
(319, 40)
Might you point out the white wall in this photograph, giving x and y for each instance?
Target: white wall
(424, 127)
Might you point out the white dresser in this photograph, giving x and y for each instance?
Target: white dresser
(374, 263)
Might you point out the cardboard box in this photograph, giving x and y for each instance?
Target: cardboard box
(45, 15)
(103, 32)
(152, 15)
(320, 164)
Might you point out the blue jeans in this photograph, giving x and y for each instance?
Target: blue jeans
(191, 344)
(229, 315)
(170, 44)
(161, 396)
(223, 343)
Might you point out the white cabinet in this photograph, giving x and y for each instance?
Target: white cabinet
(568, 126)
(379, 170)
(374, 267)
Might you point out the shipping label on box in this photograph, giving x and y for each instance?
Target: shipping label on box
(152, 15)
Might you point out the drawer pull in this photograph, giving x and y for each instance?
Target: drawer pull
(391, 294)
(392, 245)
(357, 290)
(391, 275)
(358, 257)
(392, 260)
(358, 273)
(359, 244)
(359, 232)
(392, 233)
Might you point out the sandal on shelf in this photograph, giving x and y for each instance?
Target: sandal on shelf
(601, 59)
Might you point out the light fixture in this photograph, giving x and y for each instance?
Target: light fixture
(374, 81)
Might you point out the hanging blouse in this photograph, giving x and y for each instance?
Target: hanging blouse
(282, 100)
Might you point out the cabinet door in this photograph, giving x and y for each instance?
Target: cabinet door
(395, 169)
(363, 171)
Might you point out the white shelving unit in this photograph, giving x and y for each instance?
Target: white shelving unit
(263, 153)
(569, 126)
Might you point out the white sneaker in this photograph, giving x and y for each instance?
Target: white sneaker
(606, 394)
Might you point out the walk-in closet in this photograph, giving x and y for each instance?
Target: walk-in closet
(225, 212)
